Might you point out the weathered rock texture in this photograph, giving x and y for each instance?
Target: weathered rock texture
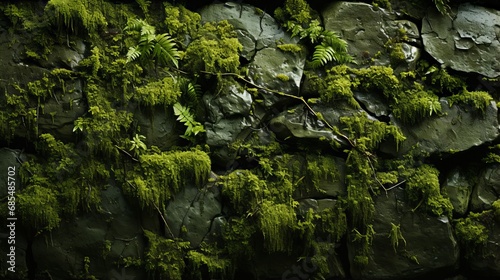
(317, 162)
(466, 41)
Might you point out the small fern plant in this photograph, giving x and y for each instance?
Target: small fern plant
(158, 48)
(331, 49)
(185, 116)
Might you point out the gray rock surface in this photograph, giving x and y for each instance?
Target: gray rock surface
(256, 29)
(277, 70)
(368, 29)
(86, 236)
(191, 212)
(487, 189)
(458, 128)
(158, 125)
(297, 122)
(233, 100)
(467, 41)
(225, 131)
(419, 255)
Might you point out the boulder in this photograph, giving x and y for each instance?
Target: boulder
(487, 189)
(158, 125)
(192, 211)
(457, 128)
(369, 31)
(426, 246)
(255, 28)
(225, 131)
(299, 123)
(233, 100)
(467, 41)
(279, 70)
(105, 238)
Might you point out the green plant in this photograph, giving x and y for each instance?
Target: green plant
(331, 49)
(152, 47)
(137, 145)
(185, 116)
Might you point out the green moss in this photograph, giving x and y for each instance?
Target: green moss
(445, 81)
(283, 77)
(423, 189)
(243, 189)
(396, 53)
(38, 208)
(277, 222)
(293, 48)
(395, 235)
(160, 176)
(181, 21)
(208, 258)
(164, 92)
(479, 100)
(164, 258)
(215, 49)
(322, 169)
(415, 104)
(74, 15)
(238, 239)
(471, 233)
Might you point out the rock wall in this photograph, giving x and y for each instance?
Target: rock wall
(147, 141)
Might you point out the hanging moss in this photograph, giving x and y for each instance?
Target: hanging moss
(207, 257)
(238, 235)
(75, 15)
(277, 222)
(243, 189)
(322, 169)
(38, 208)
(161, 175)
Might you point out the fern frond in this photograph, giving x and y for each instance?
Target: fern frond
(331, 49)
(185, 116)
(165, 51)
(133, 54)
(135, 25)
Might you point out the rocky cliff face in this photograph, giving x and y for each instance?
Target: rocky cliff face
(148, 141)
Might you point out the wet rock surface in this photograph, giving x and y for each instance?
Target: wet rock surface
(466, 41)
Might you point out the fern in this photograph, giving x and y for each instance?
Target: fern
(331, 49)
(159, 48)
(165, 51)
(185, 116)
